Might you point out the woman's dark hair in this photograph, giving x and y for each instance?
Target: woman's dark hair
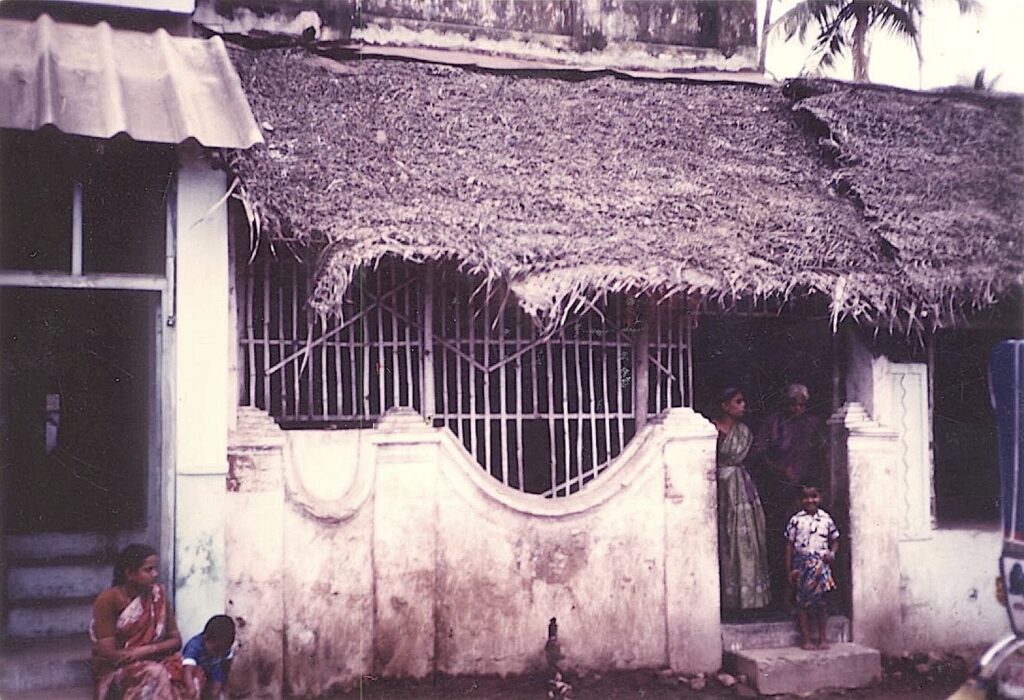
(131, 557)
(724, 395)
(728, 393)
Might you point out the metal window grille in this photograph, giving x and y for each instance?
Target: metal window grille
(541, 412)
(346, 370)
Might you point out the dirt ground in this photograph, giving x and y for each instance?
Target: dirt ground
(635, 686)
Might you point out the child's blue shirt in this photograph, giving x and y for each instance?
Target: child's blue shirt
(195, 654)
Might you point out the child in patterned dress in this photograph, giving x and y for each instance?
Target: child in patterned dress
(811, 544)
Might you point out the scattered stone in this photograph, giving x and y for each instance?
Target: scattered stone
(726, 680)
(935, 658)
(381, 137)
(665, 674)
(558, 688)
(922, 669)
(698, 683)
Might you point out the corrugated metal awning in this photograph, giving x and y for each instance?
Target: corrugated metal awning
(98, 81)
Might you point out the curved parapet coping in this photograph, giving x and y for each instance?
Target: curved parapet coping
(641, 460)
(355, 487)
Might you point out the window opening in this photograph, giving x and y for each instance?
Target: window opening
(542, 412)
(77, 206)
(124, 208)
(964, 428)
(346, 369)
(36, 184)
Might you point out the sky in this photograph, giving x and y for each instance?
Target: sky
(954, 48)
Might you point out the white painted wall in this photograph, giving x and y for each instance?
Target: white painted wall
(947, 576)
(948, 590)
(401, 557)
(202, 337)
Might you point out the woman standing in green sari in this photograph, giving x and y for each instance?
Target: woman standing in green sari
(742, 548)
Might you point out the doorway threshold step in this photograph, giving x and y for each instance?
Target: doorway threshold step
(50, 666)
(794, 671)
(49, 617)
(776, 635)
(58, 578)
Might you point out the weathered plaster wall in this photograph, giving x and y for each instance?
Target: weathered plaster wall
(689, 33)
(948, 590)
(402, 558)
(945, 595)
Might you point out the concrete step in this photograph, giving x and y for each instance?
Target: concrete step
(79, 692)
(57, 667)
(70, 577)
(49, 545)
(776, 635)
(794, 671)
(49, 617)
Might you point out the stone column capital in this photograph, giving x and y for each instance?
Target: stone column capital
(854, 418)
(684, 424)
(402, 419)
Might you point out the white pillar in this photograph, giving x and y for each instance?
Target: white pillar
(404, 551)
(202, 343)
(870, 466)
(693, 604)
(254, 567)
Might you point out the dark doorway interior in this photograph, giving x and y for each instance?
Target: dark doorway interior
(762, 355)
(77, 374)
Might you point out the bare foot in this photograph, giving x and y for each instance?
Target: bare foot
(807, 646)
(823, 645)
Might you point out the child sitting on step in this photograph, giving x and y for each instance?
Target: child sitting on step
(207, 657)
(811, 544)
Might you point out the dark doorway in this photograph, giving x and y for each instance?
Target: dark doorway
(75, 407)
(964, 428)
(762, 355)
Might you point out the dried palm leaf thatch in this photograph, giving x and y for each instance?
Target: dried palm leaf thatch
(568, 189)
(939, 178)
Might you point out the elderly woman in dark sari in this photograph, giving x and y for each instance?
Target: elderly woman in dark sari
(790, 449)
(742, 554)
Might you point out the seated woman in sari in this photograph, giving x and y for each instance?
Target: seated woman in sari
(742, 546)
(135, 639)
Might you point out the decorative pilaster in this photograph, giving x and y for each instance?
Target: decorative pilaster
(870, 461)
(404, 551)
(692, 606)
(254, 511)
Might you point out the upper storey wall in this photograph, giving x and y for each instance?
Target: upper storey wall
(689, 33)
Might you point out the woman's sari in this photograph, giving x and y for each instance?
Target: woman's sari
(143, 622)
(742, 547)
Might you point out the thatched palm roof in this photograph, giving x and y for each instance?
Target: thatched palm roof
(568, 188)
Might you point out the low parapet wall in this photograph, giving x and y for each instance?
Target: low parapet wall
(390, 552)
